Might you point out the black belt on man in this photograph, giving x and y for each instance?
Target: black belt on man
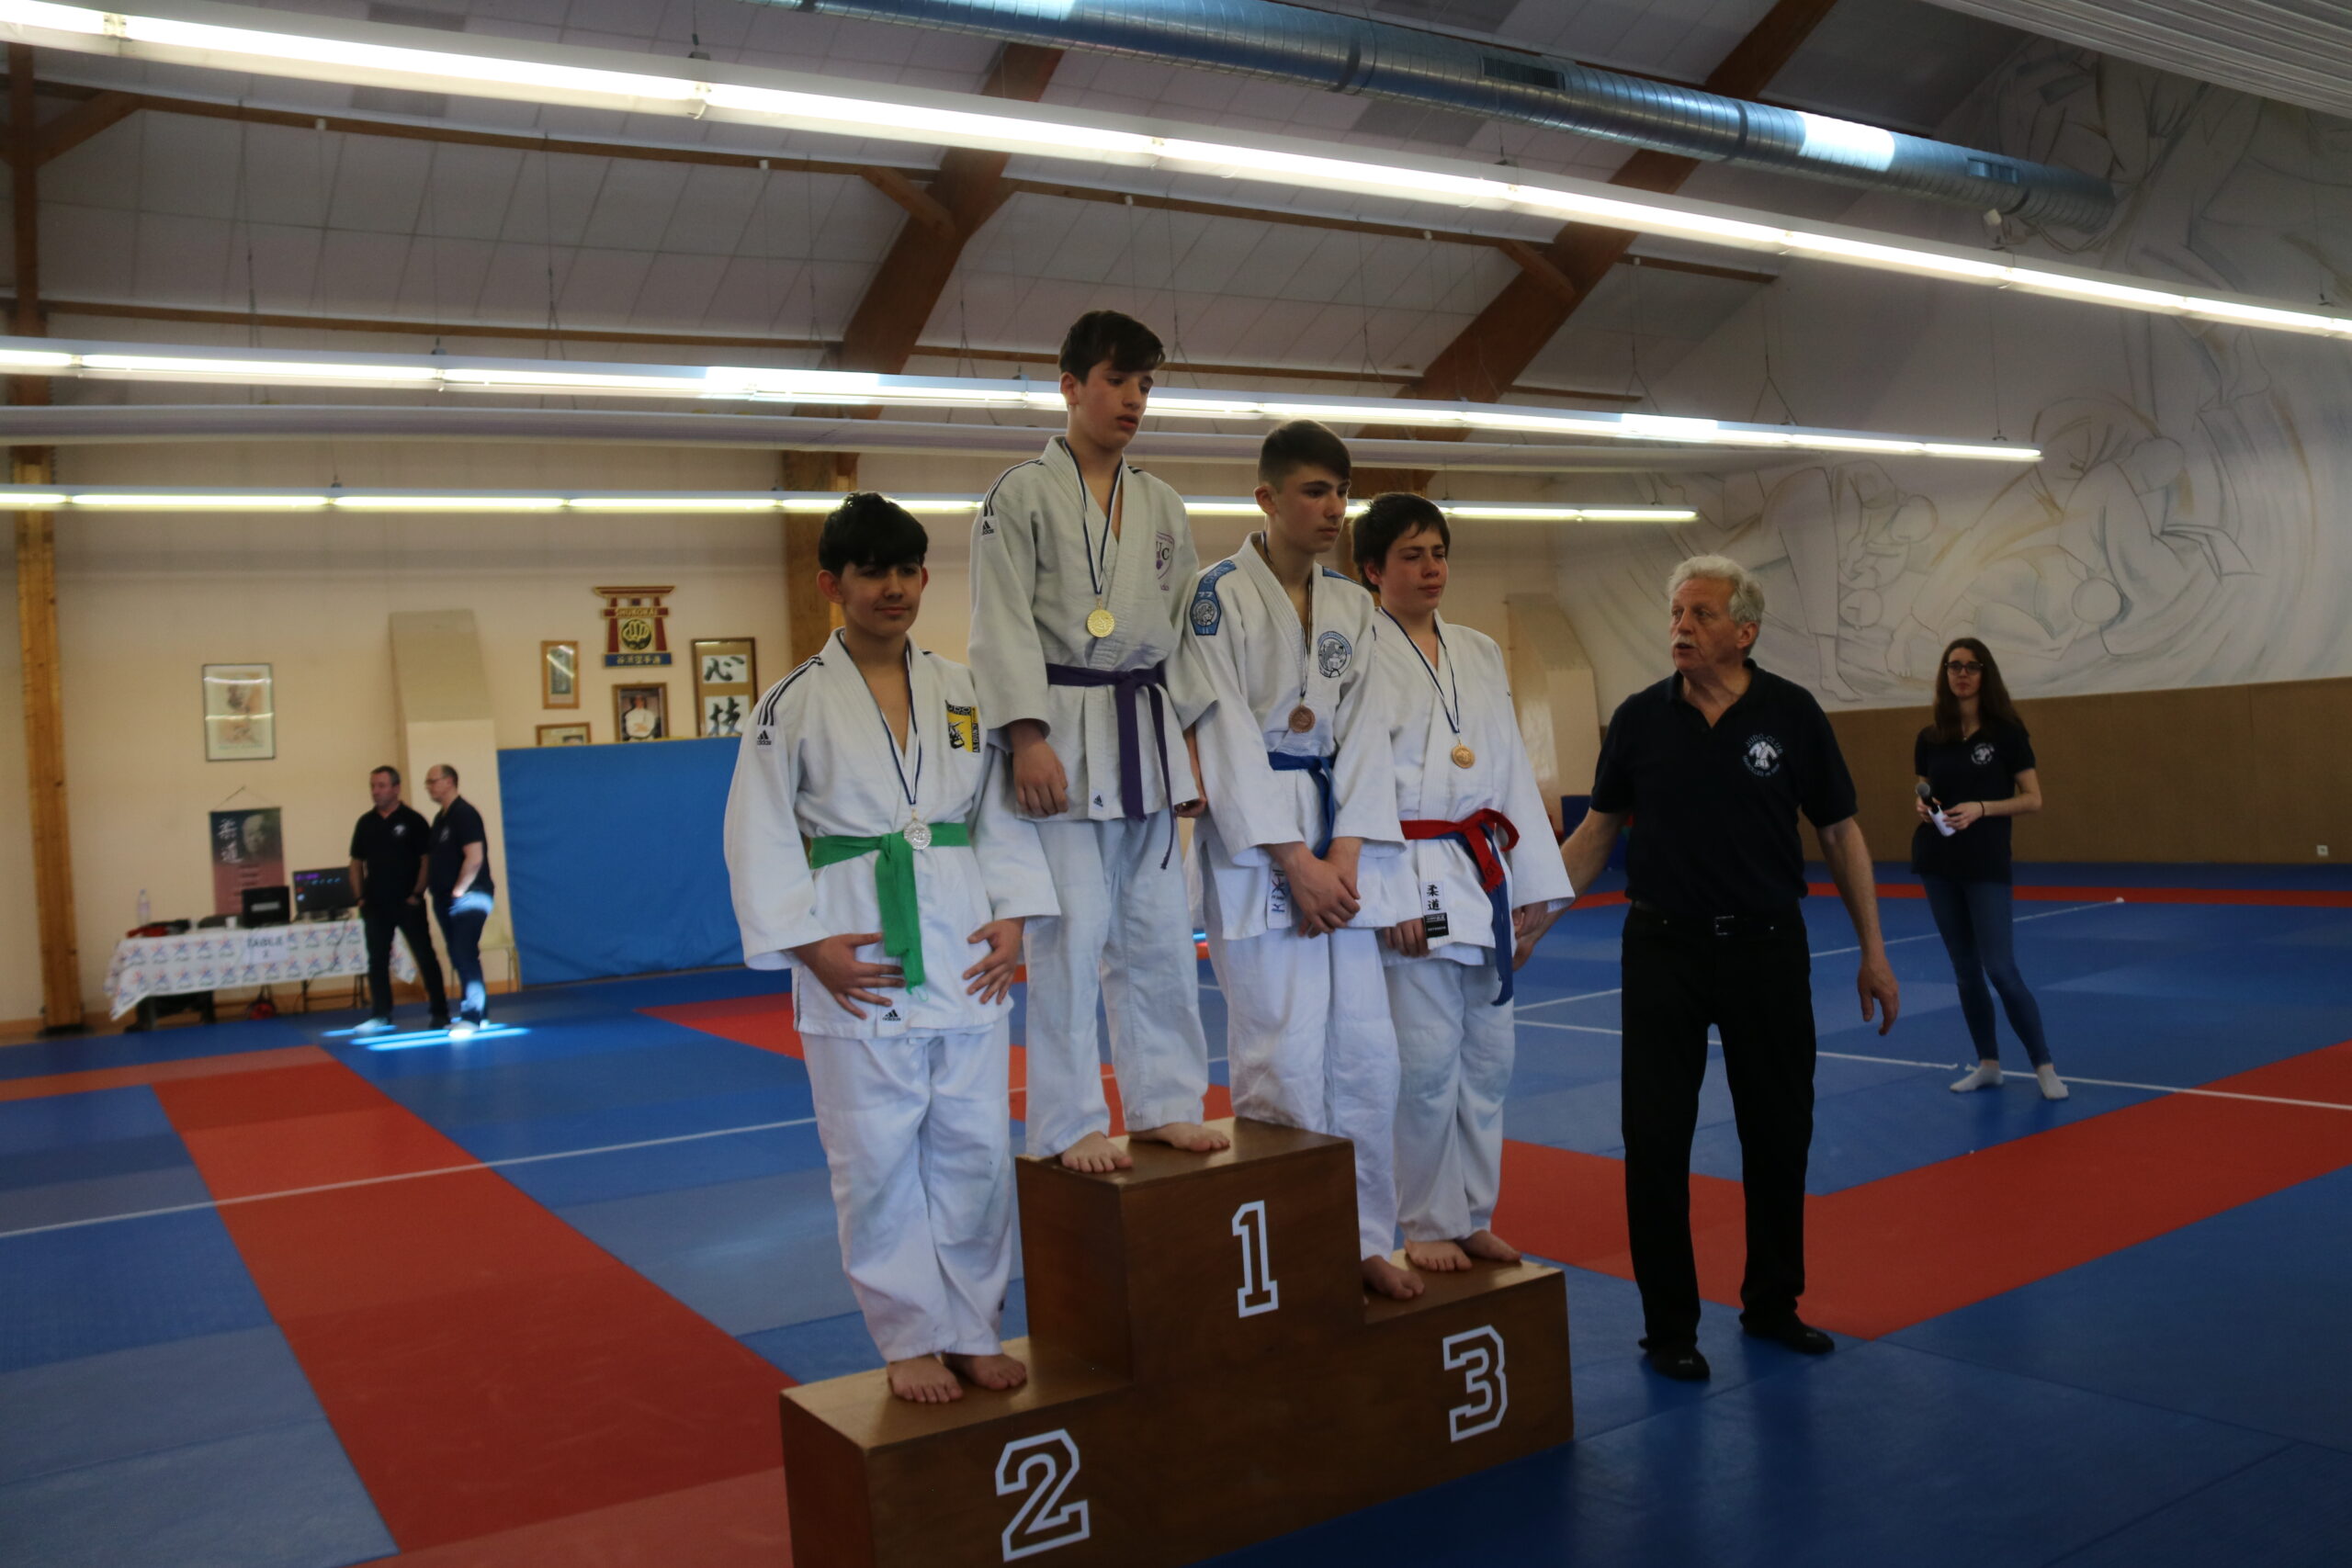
(1721, 925)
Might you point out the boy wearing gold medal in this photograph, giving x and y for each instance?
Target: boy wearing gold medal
(1080, 566)
(1485, 883)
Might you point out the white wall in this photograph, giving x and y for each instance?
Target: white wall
(145, 600)
(2186, 524)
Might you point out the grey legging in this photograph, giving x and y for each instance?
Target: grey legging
(1973, 917)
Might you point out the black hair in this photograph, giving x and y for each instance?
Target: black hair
(870, 530)
(1098, 335)
(1296, 444)
(449, 770)
(1393, 515)
(387, 768)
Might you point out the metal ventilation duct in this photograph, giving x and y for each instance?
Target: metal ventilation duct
(1358, 55)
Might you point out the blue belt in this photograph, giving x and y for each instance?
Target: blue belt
(1286, 762)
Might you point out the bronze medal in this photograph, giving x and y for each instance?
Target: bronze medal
(1464, 756)
(1100, 622)
(1302, 719)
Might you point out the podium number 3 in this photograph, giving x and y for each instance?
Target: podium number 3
(1258, 1292)
(1040, 1468)
(1477, 1355)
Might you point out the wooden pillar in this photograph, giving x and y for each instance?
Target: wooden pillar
(809, 619)
(61, 958)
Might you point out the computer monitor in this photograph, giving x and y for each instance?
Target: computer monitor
(266, 905)
(323, 892)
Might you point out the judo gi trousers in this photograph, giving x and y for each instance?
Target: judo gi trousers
(1309, 1045)
(921, 1152)
(1454, 1050)
(1124, 938)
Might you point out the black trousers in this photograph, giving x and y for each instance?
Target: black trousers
(1757, 989)
(461, 923)
(409, 920)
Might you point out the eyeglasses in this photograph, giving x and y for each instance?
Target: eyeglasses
(1963, 667)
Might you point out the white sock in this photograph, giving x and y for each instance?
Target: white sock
(2052, 1089)
(1986, 1076)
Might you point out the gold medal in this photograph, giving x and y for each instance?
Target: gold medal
(1464, 756)
(1302, 719)
(1100, 622)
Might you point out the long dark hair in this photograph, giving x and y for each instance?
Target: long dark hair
(1993, 704)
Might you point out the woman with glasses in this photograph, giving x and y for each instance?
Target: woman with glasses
(1976, 771)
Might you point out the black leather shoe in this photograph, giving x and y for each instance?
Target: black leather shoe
(1682, 1362)
(1792, 1332)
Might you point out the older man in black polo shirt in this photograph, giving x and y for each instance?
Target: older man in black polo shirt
(387, 865)
(1712, 766)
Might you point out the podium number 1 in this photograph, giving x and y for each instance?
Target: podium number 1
(1041, 1470)
(1258, 1292)
(1477, 1355)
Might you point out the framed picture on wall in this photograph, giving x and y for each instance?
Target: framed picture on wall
(240, 713)
(558, 674)
(566, 734)
(641, 712)
(727, 683)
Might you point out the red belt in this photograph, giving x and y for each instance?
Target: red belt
(1472, 831)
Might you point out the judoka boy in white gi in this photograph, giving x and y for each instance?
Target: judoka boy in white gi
(1080, 569)
(1295, 758)
(1465, 795)
(900, 923)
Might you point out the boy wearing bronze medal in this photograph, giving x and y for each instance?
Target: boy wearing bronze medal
(1080, 567)
(1301, 809)
(1483, 880)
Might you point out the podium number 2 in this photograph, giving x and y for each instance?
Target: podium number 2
(1258, 1292)
(1477, 1355)
(1040, 1468)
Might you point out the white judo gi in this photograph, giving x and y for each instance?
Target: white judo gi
(1043, 559)
(1453, 1044)
(1307, 1030)
(911, 1099)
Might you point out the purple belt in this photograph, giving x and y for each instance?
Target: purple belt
(1128, 686)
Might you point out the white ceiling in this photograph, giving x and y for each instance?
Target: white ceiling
(179, 211)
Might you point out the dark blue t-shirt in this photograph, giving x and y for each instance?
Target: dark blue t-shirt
(1984, 766)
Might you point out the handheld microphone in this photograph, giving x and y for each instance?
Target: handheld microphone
(1935, 812)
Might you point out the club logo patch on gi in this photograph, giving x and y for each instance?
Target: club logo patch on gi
(1981, 753)
(1163, 551)
(1332, 652)
(963, 728)
(1762, 755)
(1208, 610)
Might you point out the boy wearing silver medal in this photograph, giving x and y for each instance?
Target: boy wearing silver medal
(901, 921)
(1295, 758)
(1080, 564)
(1484, 878)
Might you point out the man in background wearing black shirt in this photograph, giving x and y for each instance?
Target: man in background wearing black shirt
(388, 854)
(1712, 765)
(462, 890)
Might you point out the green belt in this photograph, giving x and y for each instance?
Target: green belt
(894, 883)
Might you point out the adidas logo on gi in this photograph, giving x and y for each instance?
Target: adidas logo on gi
(892, 1016)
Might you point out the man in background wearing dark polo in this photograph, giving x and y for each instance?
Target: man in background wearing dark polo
(388, 864)
(1712, 765)
(462, 889)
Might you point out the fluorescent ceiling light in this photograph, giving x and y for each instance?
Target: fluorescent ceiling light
(255, 41)
(661, 502)
(819, 388)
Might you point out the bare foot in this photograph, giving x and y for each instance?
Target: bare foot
(1097, 1155)
(1436, 1257)
(1490, 1246)
(924, 1380)
(989, 1371)
(1190, 1136)
(1386, 1279)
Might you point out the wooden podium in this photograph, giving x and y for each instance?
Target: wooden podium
(1205, 1370)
